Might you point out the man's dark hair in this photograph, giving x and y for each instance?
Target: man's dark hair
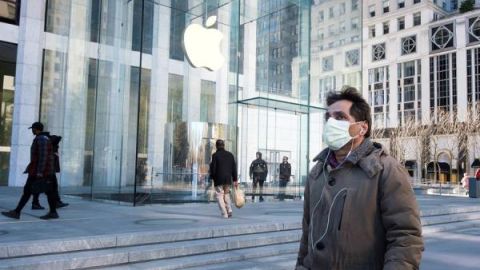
(220, 144)
(360, 108)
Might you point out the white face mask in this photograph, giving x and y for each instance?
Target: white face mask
(335, 133)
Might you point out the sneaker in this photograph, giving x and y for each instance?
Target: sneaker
(50, 215)
(230, 214)
(12, 214)
(61, 204)
(37, 207)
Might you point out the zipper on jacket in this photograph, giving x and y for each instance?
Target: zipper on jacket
(343, 208)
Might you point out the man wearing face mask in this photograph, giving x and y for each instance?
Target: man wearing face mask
(360, 211)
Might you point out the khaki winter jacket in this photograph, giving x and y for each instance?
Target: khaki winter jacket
(361, 215)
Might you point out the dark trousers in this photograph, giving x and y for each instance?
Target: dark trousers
(56, 195)
(27, 192)
(282, 185)
(258, 181)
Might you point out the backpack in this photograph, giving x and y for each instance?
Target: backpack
(55, 141)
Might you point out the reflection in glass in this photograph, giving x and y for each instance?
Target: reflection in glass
(207, 102)
(7, 93)
(57, 18)
(175, 98)
(9, 10)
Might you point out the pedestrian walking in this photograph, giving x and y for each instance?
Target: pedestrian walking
(258, 174)
(55, 140)
(465, 182)
(285, 174)
(360, 211)
(40, 170)
(223, 171)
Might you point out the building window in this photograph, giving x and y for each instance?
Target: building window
(354, 5)
(137, 26)
(409, 45)
(474, 29)
(343, 27)
(327, 63)
(378, 52)
(9, 11)
(371, 10)
(207, 101)
(355, 23)
(443, 82)
(8, 64)
(331, 13)
(326, 85)
(371, 31)
(416, 1)
(175, 98)
(321, 16)
(379, 96)
(473, 79)
(417, 19)
(442, 37)
(386, 6)
(177, 26)
(409, 92)
(386, 28)
(342, 9)
(401, 3)
(401, 23)
(352, 58)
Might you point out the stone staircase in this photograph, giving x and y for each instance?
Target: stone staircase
(221, 247)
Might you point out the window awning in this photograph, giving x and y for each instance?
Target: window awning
(442, 167)
(476, 163)
(281, 105)
(410, 164)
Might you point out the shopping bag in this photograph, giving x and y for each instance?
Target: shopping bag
(238, 197)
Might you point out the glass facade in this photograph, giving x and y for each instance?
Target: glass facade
(139, 122)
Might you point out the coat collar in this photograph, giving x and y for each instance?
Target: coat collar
(366, 156)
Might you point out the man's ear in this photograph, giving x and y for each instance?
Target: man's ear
(364, 128)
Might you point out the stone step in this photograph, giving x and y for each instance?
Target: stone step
(32, 248)
(279, 262)
(135, 254)
(449, 210)
(217, 260)
(452, 226)
(443, 219)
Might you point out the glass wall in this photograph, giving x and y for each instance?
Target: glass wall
(139, 121)
(8, 60)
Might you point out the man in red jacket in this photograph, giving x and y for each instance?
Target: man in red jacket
(40, 168)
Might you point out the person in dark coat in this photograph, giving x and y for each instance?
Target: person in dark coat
(258, 173)
(41, 166)
(55, 140)
(223, 171)
(285, 173)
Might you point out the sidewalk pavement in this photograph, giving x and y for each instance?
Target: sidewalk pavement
(84, 218)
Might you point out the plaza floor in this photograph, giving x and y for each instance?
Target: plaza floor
(457, 249)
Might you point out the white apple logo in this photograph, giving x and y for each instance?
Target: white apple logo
(202, 45)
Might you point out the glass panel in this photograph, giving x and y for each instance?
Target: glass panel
(207, 101)
(9, 11)
(7, 93)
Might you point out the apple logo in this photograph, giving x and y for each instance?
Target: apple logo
(202, 45)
